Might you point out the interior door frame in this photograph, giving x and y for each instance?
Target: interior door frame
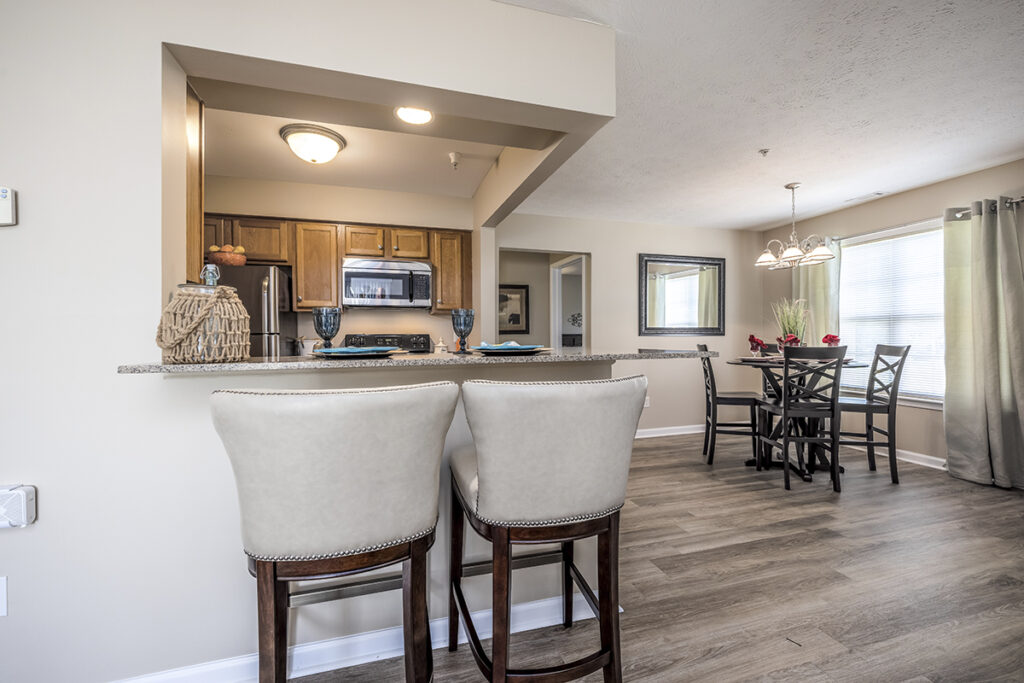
(556, 298)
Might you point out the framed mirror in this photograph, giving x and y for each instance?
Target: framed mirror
(682, 295)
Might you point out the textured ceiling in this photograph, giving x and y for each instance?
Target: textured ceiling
(852, 97)
(244, 145)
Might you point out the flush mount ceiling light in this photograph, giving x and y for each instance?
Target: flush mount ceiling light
(414, 115)
(809, 252)
(314, 144)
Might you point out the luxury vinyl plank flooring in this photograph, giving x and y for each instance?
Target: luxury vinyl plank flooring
(726, 576)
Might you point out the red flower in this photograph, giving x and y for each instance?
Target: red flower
(756, 344)
(790, 340)
(830, 339)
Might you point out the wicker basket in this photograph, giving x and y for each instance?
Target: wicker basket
(204, 324)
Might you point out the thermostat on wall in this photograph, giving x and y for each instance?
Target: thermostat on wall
(8, 206)
(17, 505)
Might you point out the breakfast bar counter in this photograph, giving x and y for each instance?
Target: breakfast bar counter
(536, 600)
(404, 360)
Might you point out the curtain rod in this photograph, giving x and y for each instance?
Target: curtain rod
(1009, 203)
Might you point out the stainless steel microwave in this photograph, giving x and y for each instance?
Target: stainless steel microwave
(385, 283)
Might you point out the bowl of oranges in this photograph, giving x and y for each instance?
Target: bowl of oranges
(226, 255)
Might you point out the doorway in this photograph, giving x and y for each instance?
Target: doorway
(570, 304)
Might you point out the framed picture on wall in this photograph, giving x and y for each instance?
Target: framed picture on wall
(513, 309)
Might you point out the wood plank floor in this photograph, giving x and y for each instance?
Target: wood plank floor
(725, 576)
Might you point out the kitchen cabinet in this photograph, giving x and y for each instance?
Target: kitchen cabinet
(450, 256)
(364, 240)
(213, 232)
(408, 243)
(316, 265)
(367, 240)
(265, 240)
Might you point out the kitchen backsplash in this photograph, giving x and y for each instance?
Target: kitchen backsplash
(355, 321)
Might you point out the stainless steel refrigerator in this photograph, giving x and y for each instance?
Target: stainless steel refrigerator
(266, 293)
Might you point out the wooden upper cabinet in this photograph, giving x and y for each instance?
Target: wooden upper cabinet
(408, 243)
(450, 257)
(263, 239)
(213, 232)
(364, 240)
(316, 265)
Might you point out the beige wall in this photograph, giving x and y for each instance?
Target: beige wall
(135, 565)
(333, 203)
(532, 269)
(676, 388)
(921, 429)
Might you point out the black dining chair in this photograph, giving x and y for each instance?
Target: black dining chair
(713, 399)
(879, 399)
(809, 400)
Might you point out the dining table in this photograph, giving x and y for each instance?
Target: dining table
(772, 368)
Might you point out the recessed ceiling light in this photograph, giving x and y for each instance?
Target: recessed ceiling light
(314, 144)
(414, 115)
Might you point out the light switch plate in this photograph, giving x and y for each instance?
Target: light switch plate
(8, 206)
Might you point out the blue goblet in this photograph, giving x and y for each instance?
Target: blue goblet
(462, 323)
(326, 322)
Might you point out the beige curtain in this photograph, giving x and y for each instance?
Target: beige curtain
(818, 285)
(707, 297)
(984, 300)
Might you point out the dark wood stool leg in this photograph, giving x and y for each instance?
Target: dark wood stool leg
(567, 557)
(419, 661)
(272, 606)
(502, 594)
(458, 520)
(869, 434)
(608, 597)
(891, 426)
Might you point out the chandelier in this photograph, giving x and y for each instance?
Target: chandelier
(809, 252)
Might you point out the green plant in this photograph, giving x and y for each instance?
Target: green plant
(791, 315)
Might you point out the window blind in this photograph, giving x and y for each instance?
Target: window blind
(891, 292)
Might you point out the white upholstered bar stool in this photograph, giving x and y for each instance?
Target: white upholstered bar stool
(550, 465)
(332, 483)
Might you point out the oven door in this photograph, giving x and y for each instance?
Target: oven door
(397, 284)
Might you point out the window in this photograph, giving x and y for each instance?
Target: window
(891, 292)
(681, 290)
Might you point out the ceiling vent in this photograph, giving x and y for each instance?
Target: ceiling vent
(864, 197)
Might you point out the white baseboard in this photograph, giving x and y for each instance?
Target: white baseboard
(337, 653)
(907, 456)
(901, 454)
(653, 432)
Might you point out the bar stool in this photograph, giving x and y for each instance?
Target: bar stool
(332, 483)
(549, 465)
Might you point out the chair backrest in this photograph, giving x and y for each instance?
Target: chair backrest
(766, 386)
(330, 473)
(710, 389)
(886, 370)
(552, 451)
(810, 377)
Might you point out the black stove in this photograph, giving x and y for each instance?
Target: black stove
(413, 343)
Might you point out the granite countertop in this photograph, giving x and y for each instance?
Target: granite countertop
(400, 360)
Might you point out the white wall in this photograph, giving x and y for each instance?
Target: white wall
(531, 269)
(134, 565)
(920, 429)
(676, 388)
(334, 203)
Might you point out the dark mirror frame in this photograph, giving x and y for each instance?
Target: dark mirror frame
(647, 331)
